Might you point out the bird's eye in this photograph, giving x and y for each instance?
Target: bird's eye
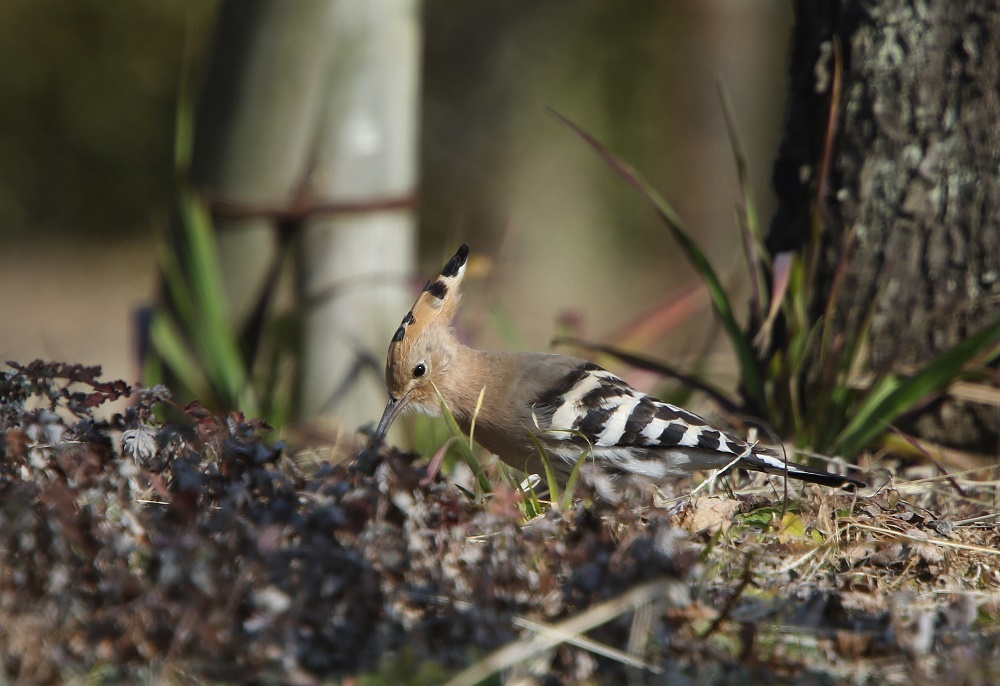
(419, 370)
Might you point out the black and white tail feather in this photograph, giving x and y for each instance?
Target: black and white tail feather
(631, 433)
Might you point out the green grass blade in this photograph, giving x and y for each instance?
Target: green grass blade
(475, 414)
(756, 254)
(574, 478)
(169, 345)
(276, 381)
(215, 341)
(468, 494)
(184, 114)
(533, 506)
(550, 472)
(464, 447)
(892, 397)
(868, 418)
(181, 301)
(752, 383)
(530, 506)
(567, 498)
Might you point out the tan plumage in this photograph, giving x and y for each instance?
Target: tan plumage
(570, 405)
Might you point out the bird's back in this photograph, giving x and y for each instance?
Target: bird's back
(632, 433)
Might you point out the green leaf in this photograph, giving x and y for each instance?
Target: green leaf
(214, 341)
(893, 396)
(169, 344)
(574, 477)
(176, 283)
(762, 517)
(467, 493)
(184, 115)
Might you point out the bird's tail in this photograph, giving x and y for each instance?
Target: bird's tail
(767, 460)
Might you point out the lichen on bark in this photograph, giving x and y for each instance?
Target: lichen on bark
(914, 181)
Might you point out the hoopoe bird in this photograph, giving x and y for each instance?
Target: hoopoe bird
(572, 407)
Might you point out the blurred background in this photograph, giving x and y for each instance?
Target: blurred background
(88, 108)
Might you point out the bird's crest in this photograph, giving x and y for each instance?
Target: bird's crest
(423, 346)
(437, 303)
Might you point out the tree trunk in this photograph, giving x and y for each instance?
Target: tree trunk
(353, 265)
(912, 200)
(258, 115)
(306, 128)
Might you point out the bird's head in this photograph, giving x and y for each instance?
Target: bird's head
(423, 346)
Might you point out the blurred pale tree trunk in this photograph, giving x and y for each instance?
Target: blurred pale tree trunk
(912, 197)
(353, 264)
(257, 119)
(306, 128)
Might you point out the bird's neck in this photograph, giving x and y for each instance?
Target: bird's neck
(472, 373)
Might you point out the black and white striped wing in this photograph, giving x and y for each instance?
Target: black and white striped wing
(635, 433)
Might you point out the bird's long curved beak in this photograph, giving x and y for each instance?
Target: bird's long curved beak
(392, 410)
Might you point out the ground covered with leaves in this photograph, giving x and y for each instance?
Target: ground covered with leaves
(199, 550)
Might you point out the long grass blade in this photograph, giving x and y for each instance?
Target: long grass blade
(181, 301)
(213, 337)
(169, 344)
(184, 113)
(475, 415)
(550, 473)
(893, 396)
(662, 318)
(752, 385)
(567, 498)
(753, 245)
(781, 276)
(574, 477)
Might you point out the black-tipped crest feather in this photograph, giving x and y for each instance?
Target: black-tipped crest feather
(438, 295)
(457, 261)
(438, 289)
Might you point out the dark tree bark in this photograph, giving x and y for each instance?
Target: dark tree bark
(913, 184)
